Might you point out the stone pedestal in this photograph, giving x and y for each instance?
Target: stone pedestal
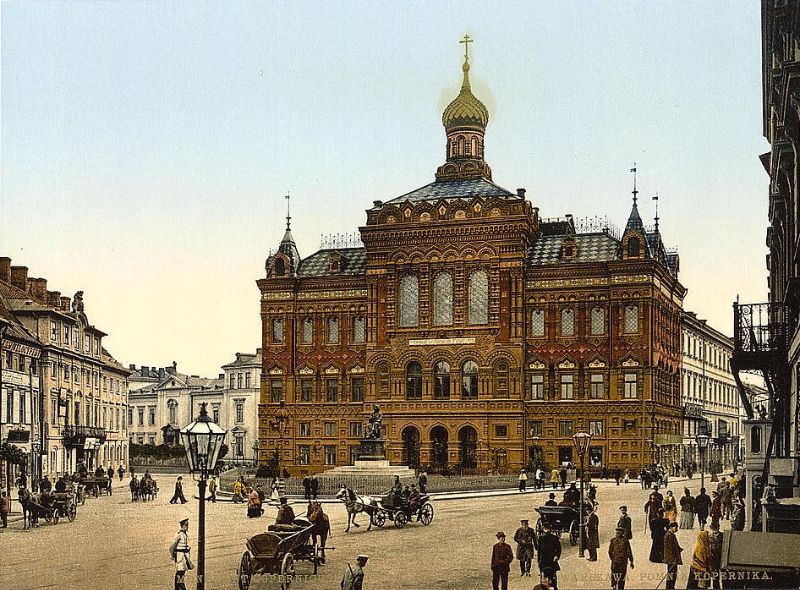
(372, 449)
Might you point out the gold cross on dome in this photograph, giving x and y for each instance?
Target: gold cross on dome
(466, 41)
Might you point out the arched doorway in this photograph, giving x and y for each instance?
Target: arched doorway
(411, 439)
(468, 447)
(439, 439)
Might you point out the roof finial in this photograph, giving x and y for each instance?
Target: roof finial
(466, 41)
(635, 192)
(288, 212)
(655, 198)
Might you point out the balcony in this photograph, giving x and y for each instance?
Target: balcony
(761, 336)
(76, 435)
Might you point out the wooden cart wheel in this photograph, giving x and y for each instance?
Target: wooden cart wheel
(71, 513)
(426, 513)
(378, 518)
(48, 517)
(287, 571)
(245, 573)
(400, 519)
(573, 533)
(55, 516)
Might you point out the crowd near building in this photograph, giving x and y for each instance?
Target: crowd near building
(64, 397)
(487, 334)
(163, 400)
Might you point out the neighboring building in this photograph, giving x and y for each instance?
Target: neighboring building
(710, 398)
(162, 401)
(487, 335)
(84, 389)
(767, 335)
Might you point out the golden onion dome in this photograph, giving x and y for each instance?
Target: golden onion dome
(465, 110)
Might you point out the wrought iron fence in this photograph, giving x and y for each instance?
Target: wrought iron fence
(760, 327)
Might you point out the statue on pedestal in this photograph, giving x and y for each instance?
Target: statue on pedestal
(374, 423)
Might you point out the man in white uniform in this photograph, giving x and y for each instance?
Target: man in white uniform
(179, 550)
(353, 578)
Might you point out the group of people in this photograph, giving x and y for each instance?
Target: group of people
(143, 488)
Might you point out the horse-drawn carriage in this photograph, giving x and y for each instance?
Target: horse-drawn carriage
(401, 513)
(277, 551)
(95, 485)
(561, 519)
(66, 503)
(49, 507)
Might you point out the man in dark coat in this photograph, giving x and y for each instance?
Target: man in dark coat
(285, 512)
(551, 501)
(525, 539)
(178, 495)
(591, 540)
(715, 554)
(672, 555)
(620, 553)
(624, 522)
(563, 475)
(716, 508)
(307, 488)
(423, 483)
(314, 487)
(502, 556)
(702, 504)
(654, 503)
(658, 529)
(549, 554)
(573, 495)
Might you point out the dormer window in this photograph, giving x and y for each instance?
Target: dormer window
(335, 262)
(569, 249)
(634, 246)
(280, 267)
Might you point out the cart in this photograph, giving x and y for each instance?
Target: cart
(66, 504)
(562, 519)
(402, 513)
(277, 551)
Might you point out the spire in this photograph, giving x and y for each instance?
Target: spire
(466, 41)
(288, 212)
(287, 247)
(635, 192)
(634, 219)
(655, 198)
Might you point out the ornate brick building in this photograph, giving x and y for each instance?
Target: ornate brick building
(487, 335)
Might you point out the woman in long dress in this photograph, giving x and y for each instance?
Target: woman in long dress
(658, 528)
(687, 510)
(700, 570)
(670, 507)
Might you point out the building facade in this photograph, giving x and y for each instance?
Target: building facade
(83, 398)
(487, 335)
(710, 397)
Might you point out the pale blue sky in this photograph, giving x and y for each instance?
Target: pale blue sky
(146, 146)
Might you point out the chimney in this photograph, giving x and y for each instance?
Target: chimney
(145, 371)
(65, 301)
(161, 373)
(53, 298)
(38, 288)
(132, 368)
(19, 277)
(521, 193)
(221, 377)
(5, 269)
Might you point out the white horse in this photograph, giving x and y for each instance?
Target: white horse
(355, 504)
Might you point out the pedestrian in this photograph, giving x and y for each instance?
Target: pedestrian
(502, 556)
(179, 551)
(523, 480)
(212, 489)
(563, 476)
(552, 500)
(285, 512)
(422, 482)
(658, 529)
(672, 555)
(134, 486)
(525, 539)
(687, 510)
(555, 477)
(178, 495)
(549, 554)
(617, 475)
(627, 477)
(715, 556)
(307, 488)
(353, 578)
(702, 504)
(654, 503)
(620, 553)
(700, 570)
(670, 507)
(314, 487)
(716, 507)
(5, 508)
(110, 474)
(592, 537)
(624, 522)
(121, 471)
(737, 515)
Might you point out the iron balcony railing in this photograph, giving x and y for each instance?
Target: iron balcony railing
(77, 435)
(760, 327)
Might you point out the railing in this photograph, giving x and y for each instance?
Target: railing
(760, 327)
(77, 435)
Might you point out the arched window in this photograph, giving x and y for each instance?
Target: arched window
(755, 440)
(631, 323)
(308, 331)
(598, 321)
(567, 322)
(441, 376)
(333, 330)
(478, 297)
(460, 146)
(443, 299)
(634, 246)
(358, 329)
(469, 380)
(474, 146)
(414, 380)
(277, 331)
(172, 405)
(280, 267)
(409, 301)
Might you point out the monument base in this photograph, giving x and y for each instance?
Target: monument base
(372, 461)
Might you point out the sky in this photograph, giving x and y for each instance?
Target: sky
(146, 146)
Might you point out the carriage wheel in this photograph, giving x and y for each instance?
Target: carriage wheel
(400, 519)
(55, 516)
(287, 571)
(48, 517)
(378, 518)
(539, 527)
(573, 533)
(244, 571)
(426, 513)
(71, 513)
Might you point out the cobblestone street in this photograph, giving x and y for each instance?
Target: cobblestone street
(118, 544)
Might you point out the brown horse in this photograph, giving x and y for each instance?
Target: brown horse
(322, 526)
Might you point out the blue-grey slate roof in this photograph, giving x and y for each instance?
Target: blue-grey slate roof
(353, 262)
(455, 189)
(595, 247)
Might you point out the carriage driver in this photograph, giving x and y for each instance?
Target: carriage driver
(179, 551)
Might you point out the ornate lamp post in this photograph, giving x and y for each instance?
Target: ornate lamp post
(280, 423)
(255, 454)
(702, 444)
(202, 440)
(582, 440)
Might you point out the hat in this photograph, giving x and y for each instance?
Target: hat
(184, 521)
(620, 529)
(623, 508)
(525, 520)
(360, 557)
(500, 534)
(714, 525)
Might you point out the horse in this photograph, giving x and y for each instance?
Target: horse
(322, 526)
(354, 505)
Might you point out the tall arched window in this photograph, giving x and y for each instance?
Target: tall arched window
(634, 246)
(441, 376)
(478, 297)
(443, 299)
(469, 380)
(567, 322)
(598, 321)
(409, 301)
(414, 380)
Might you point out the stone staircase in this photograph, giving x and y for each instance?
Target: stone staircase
(371, 467)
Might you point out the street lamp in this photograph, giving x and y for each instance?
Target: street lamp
(255, 454)
(702, 443)
(582, 440)
(202, 440)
